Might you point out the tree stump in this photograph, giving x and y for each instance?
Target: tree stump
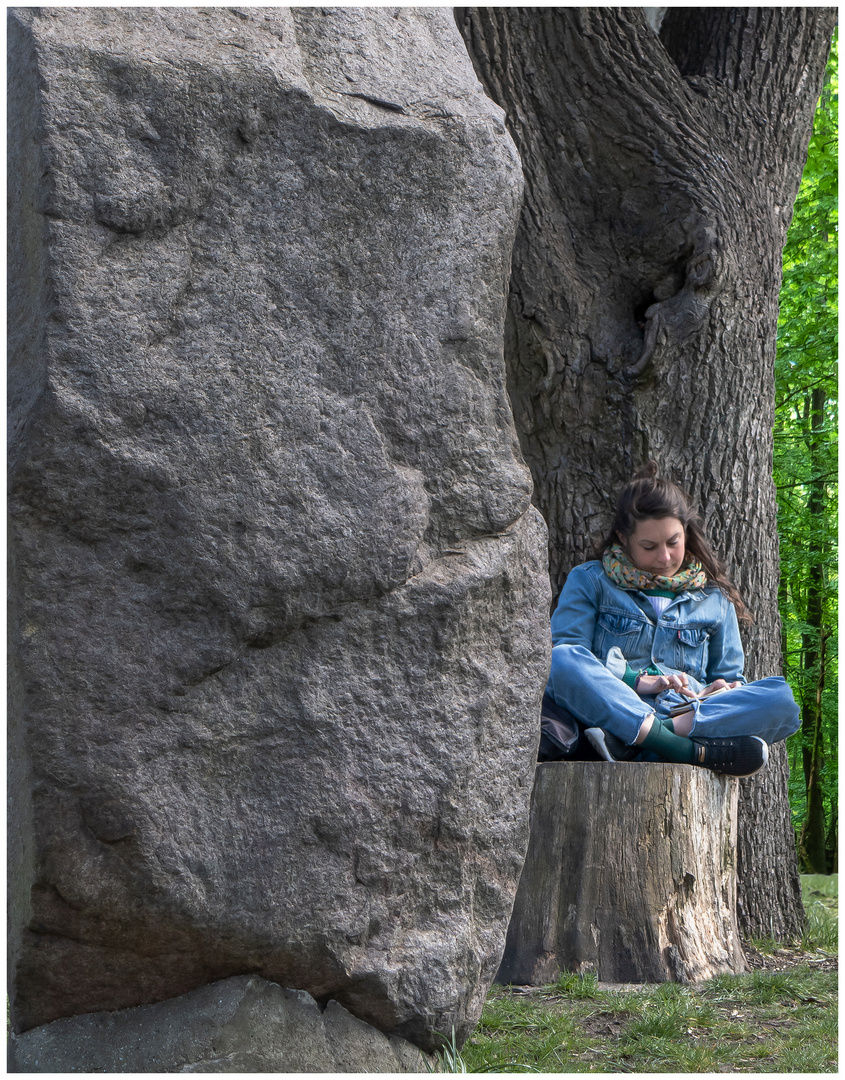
(630, 873)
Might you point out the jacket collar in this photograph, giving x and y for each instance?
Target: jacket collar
(645, 605)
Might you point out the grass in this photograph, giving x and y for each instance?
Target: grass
(760, 1022)
(765, 1021)
(821, 899)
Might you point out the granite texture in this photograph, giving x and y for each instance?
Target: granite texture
(279, 599)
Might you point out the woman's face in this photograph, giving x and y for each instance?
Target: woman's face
(657, 545)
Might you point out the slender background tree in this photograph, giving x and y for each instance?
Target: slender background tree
(805, 469)
(662, 159)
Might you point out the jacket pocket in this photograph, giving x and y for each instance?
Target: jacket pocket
(691, 650)
(615, 629)
(619, 625)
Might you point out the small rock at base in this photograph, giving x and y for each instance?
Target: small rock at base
(242, 1024)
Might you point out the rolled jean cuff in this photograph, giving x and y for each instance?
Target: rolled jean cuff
(581, 683)
(765, 708)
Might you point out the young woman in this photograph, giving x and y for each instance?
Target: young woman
(646, 648)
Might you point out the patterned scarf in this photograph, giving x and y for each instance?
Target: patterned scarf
(623, 573)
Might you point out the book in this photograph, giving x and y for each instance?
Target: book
(676, 710)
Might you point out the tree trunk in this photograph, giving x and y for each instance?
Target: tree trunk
(654, 898)
(833, 836)
(812, 848)
(811, 843)
(660, 177)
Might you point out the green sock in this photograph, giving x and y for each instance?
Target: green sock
(669, 746)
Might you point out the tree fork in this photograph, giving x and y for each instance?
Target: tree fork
(660, 174)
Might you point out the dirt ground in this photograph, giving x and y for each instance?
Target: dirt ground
(781, 959)
(784, 958)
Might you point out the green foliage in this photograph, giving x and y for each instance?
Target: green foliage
(805, 471)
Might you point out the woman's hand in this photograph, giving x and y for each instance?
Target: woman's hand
(719, 684)
(656, 684)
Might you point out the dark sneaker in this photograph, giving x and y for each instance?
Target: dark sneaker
(608, 747)
(742, 755)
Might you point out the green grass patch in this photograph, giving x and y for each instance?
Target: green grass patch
(782, 1021)
(772, 1021)
(821, 905)
(821, 885)
(820, 896)
(576, 987)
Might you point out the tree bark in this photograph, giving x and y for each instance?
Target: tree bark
(660, 177)
(811, 844)
(654, 898)
(833, 836)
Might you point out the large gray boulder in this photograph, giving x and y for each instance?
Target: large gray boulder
(279, 600)
(244, 1025)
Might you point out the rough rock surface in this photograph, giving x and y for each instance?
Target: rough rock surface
(279, 601)
(244, 1024)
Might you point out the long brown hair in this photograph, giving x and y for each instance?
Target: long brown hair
(648, 495)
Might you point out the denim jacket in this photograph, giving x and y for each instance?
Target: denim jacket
(698, 632)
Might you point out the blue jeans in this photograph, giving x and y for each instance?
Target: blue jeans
(580, 682)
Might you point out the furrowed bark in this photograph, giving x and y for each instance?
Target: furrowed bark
(660, 178)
